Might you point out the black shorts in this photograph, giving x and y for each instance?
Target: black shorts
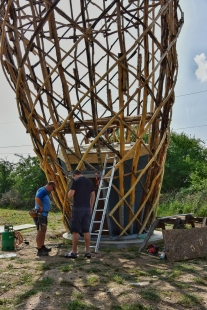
(90, 134)
(81, 218)
(40, 220)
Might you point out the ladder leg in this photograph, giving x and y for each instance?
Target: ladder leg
(106, 199)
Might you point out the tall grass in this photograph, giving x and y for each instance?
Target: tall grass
(183, 202)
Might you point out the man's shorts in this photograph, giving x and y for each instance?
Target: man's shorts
(40, 221)
(81, 218)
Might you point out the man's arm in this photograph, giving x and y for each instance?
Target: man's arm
(92, 200)
(107, 136)
(71, 193)
(39, 203)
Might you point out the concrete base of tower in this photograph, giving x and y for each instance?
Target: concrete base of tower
(123, 242)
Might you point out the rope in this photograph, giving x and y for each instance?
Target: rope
(18, 238)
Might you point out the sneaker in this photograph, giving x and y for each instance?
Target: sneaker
(46, 249)
(41, 252)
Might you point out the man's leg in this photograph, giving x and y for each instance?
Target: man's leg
(40, 239)
(87, 238)
(75, 237)
(85, 228)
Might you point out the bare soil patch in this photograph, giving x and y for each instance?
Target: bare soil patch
(116, 279)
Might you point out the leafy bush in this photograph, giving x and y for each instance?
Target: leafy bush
(11, 198)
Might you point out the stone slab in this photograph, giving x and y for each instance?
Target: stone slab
(184, 244)
(8, 255)
(19, 227)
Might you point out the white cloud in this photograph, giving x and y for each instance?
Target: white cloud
(201, 72)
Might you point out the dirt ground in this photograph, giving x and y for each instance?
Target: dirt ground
(117, 279)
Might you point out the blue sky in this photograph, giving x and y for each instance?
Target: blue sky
(190, 108)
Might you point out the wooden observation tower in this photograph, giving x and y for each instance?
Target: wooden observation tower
(92, 78)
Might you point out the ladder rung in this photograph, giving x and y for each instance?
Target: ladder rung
(107, 189)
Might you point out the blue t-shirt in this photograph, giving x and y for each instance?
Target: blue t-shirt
(42, 194)
(83, 188)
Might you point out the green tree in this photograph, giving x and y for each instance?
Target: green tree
(186, 162)
(27, 178)
(6, 182)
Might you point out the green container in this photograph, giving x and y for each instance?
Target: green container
(7, 238)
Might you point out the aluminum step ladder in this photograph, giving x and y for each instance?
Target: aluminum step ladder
(105, 199)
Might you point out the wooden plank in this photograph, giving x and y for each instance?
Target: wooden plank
(204, 222)
(81, 126)
(19, 227)
(150, 232)
(92, 155)
(184, 244)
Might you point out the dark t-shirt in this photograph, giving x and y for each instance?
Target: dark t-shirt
(83, 188)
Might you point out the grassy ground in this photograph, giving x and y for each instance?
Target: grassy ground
(113, 279)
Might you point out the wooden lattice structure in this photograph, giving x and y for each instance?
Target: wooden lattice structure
(80, 65)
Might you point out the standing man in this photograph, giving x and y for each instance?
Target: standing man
(83, 193)
(42, 204)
